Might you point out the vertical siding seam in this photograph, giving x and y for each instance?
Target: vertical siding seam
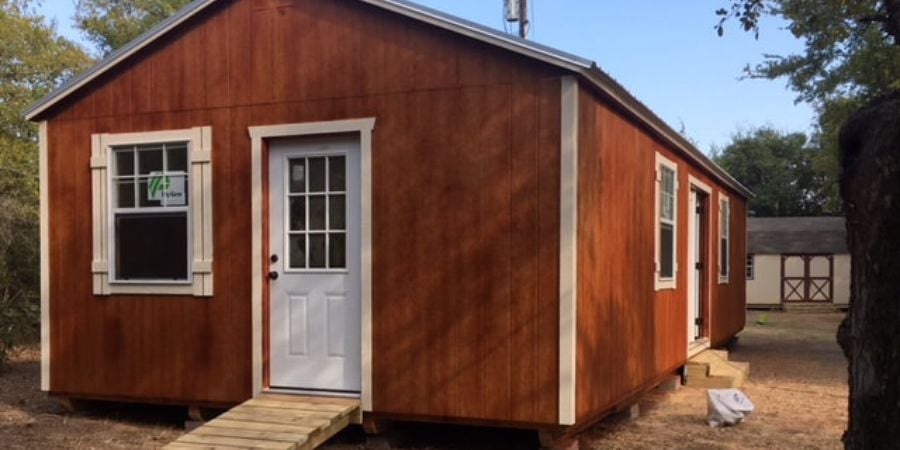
(568, 253)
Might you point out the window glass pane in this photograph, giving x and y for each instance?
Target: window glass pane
(337, 254)
(298, 213)
(336, 173)
(150, 159)
(124, 162)
(151, 246)
(337, 212)
(144, 200)
(125, 193)
(723, 257)
(316, 174)
(316, 251)
(666, 251)
(667, 194)
(176, 158)
(317, 212)
(297, 251)
(297, 175)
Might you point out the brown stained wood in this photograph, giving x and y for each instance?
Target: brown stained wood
(465, 218)
(629, 334)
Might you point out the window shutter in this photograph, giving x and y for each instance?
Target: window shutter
(201, 209)
(99, 205)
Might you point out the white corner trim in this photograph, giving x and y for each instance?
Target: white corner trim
(668, 283)
(260, 133)
(43, 154)
(724, 200)
(568, 250)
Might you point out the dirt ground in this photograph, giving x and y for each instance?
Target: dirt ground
(798, 384)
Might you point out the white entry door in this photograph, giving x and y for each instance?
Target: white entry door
(697, 262)
(314, 240)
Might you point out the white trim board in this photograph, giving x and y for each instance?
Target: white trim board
(568, 250)
(43, 154)
(257, 135)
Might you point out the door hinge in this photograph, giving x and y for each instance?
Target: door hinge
(700, 208)
(698, 321)
(698, 265)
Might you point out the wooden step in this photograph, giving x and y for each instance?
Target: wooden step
(712, 369)
(276, 422)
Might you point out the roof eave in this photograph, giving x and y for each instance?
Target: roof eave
(113, 59)
(622, 97)
(585, 68)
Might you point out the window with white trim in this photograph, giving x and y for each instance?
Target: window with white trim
(724, 238)
(751, 270)
(152, 212)
(666, 222)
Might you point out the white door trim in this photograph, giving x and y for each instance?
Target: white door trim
(694, 183)
(568, 249)
(257, 135)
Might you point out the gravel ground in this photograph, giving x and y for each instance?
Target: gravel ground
(798, 382)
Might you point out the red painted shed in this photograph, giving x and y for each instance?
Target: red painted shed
(371, 198)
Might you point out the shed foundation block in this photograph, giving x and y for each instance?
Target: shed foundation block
(558, 441)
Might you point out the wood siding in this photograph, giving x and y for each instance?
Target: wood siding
(628, 334)
(465, 193)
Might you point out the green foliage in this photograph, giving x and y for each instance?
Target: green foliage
(851, 55)
(110, 24)
(763, 319)
(779, 168)
(33, 60)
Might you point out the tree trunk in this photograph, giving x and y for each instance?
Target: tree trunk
(870, 334)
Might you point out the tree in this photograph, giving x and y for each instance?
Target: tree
(110, 24)
(33, 60)
(851, 56)
(779, 168)
(851, 59)
(869, 335)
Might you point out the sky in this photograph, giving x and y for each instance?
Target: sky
(664, 52)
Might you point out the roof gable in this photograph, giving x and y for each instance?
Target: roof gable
(586, 69)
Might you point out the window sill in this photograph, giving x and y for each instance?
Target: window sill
(152, 288)
(724, 280)
(665, 285)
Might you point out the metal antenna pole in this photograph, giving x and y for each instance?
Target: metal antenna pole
(523, 19)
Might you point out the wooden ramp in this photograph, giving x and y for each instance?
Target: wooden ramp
(284, 422)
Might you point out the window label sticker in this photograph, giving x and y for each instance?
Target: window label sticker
(167, 189)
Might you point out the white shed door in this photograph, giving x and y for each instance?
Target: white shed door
(314, 237)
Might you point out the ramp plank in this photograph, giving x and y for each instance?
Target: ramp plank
(282, 422)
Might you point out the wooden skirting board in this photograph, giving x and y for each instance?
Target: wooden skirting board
(283, 422)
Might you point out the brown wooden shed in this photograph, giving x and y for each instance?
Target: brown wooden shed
(372, 198)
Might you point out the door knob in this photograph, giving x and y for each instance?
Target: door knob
(273, 275)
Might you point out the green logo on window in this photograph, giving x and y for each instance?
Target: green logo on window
(159, 183)
(170, 191)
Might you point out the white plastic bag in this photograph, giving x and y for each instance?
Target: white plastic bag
(727, 407)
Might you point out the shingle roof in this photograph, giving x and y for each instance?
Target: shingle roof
(585, 68)
(777, 235)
